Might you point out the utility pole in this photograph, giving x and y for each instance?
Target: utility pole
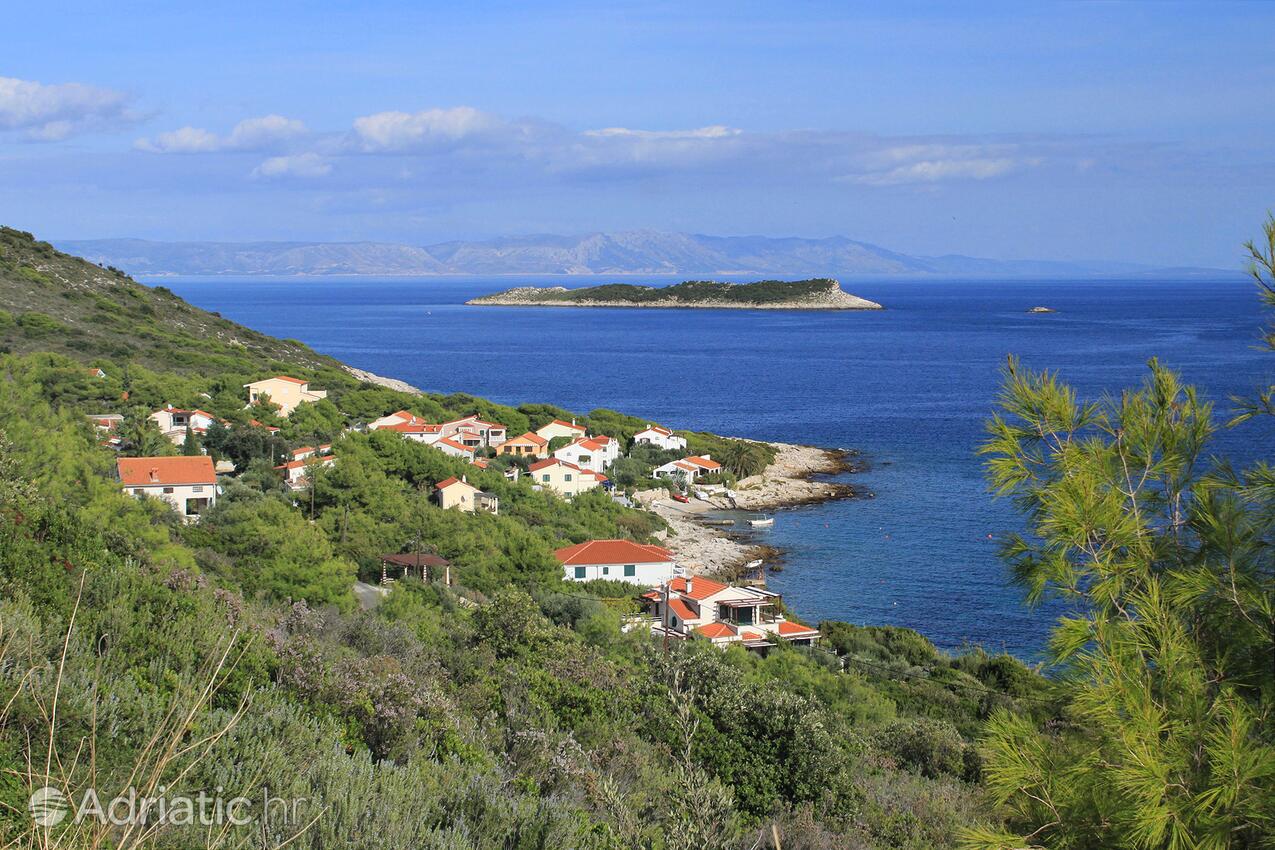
(664, 611)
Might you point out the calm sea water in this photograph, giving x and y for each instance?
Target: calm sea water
(911, 387)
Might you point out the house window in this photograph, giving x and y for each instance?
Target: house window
(139, 492)
(545, 478)
(630, 570)
(198, 488)
(606, 571)
(168, 489)
(566, 477)
(579, 572)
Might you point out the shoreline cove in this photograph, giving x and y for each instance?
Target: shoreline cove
(790, 481)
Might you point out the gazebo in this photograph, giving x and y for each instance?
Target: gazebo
(425, 566)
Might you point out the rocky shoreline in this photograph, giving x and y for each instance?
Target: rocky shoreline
(788, 482)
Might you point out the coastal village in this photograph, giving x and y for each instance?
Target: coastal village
(683, 596)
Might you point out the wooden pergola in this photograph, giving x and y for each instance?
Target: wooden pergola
(425, 566)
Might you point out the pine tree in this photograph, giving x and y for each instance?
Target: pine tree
(1167, 668)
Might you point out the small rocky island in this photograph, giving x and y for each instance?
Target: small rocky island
(817, 294)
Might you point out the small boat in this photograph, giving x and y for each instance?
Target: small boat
(763, 522)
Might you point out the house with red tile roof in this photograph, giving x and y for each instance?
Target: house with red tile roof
(173, 422)
(689, 469)
(189, 484)
(396, 418)
(660, 437)
(695, 606)
(529, 444)
(458, 493)
(417, 430)
(595, 453)
(284, 392)
(488, 434)
(620, 560)
(295, 472)
(558, 428)
(451, 446)
(565, 479)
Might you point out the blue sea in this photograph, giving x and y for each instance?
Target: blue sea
(910, 387)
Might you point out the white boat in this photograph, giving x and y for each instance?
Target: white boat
(763, 522)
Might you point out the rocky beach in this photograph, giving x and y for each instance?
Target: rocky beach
(790, 480)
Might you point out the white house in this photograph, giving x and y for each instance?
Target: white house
(173, 422)
(660, 437)
(294, 471)
(455, 448)
(309, 451)
(460, 494)
(489, 434)
(558, 428)
(417, 431)
(565, 479)
(689, 606)
(189, 484)
(592, 453)
(396, 418)
(689, 469)
(284, 392)
(622, 560)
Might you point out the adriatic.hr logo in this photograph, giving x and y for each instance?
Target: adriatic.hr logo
(48, 806)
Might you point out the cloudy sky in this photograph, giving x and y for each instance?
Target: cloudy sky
(1141, 132)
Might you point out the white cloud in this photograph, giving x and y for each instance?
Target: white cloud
(919, 163)
(304, 165)
(394, 132)
(715, 131)
(52, 112)
(251, 134)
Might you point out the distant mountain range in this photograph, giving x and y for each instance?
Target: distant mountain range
(625, 253)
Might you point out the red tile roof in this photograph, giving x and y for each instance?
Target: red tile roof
(165, 471)
(612, 552)
(416, 427)
(664, 432)
(702, 462)
(701, 588)
(716, 630)
(681, 609)
(449, 441)
(530, 437)
(288, 379)
(791, 628)
(447, 482)
(566, 425)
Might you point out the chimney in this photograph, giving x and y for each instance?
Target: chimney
(464, 479)
(708, 457)
(154, 473)
(689, 585)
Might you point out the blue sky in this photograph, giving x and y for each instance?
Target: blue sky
(1141, 132)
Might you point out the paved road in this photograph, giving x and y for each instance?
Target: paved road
(369, 595)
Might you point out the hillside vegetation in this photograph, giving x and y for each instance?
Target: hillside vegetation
(506, 710)
(511, 709)
(51, 301)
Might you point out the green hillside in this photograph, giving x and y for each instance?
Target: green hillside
(51, 301)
